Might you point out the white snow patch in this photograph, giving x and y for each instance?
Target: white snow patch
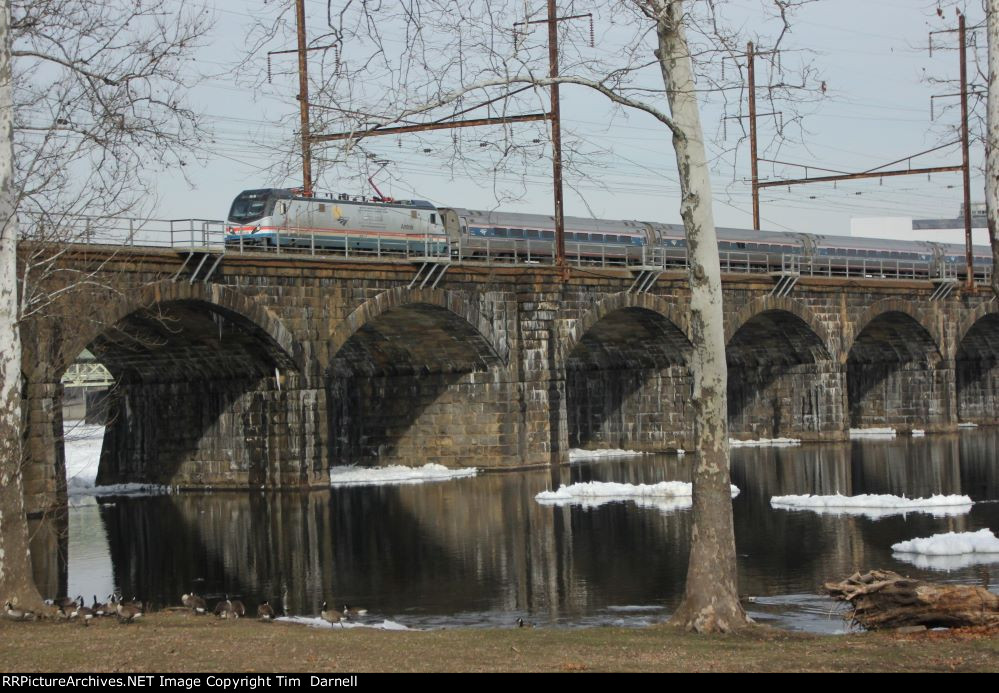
(396, 474)
(636, 608)
(666, 495)
(874, 505)
(967, 424)
(918, 433)
(317, 622)
(577, 454)
(764, 443)
(951, 544)
(83, 443)
(947, 563)
(872, 432)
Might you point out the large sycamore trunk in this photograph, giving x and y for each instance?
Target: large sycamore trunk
(992, 137)
(16, 582)
(711, 600)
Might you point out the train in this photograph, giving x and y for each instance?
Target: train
(285, 219)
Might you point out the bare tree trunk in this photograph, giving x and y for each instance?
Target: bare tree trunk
(711, 600)
(992, 138)
(16, 581)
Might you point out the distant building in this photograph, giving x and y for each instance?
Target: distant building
(949, 230)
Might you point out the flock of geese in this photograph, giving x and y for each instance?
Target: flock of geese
(130, 611)
(67, 608)
(233, 608)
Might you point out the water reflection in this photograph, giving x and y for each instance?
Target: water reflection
(482, 551)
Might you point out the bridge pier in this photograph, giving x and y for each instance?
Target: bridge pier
(233, 434)
(45, 475)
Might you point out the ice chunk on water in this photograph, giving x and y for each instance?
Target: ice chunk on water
(395, 474)
(951, 544)
(875, 505)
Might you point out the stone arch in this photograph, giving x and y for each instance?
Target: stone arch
(627, 380)
(976, 366)
(576, 329)
(419, 376)
(401, 297)
(247, 311)
(896, 371)
(209, 381)
(783, 380)
(970, 319)
(784, 304)
(909, 309)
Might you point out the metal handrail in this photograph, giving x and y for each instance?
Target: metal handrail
(211, 235)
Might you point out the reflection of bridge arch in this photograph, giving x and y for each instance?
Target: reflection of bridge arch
(782, 377)
(896, 373)
(626, 374)
(415, 376)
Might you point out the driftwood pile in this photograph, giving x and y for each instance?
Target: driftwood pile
(883, 599)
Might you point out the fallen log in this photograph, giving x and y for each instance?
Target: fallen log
(883, 599)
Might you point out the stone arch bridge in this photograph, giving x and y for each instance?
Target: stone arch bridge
(278, 367)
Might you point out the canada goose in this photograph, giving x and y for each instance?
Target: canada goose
(17, 614)
(234, 608)
(108, 608)
(237, 608)
(332, 616)
(128, 613)
(265, 612)
(521, 623)
(82, 612)
(352, 612)
(194, 603)
(64, 603)
(222, 608)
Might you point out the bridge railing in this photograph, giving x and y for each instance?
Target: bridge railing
(125, 231)
(210, 235)
(867, 268)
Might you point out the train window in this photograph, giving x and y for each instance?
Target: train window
(533, 234)
(516, 233)
(548, 235)
(500, 233)
(433, 218)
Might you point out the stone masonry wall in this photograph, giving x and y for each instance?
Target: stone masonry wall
(496, 366)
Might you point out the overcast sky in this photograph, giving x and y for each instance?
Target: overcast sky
(872, 55)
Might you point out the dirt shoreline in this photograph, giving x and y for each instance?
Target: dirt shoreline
(180, 642)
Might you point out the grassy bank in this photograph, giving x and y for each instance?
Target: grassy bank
(181, 642)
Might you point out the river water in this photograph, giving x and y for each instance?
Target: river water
(482, 551)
